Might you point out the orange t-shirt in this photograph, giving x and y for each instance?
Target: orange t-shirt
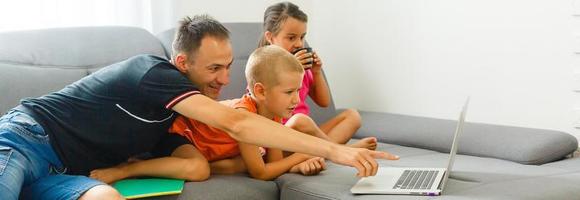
(213, 143)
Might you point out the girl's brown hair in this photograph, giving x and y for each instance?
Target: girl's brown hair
(276, 15)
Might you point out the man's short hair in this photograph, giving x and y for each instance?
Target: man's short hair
(191, 31)
(266, 64)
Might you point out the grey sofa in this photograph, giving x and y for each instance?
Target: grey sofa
(494, 162)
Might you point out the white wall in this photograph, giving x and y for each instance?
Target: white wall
(515, 58)
(166, 14)
(42, 14)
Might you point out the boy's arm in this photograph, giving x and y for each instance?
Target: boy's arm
(274, 155)
(236, 164)
(319, 91)
(254, 129)
(185, 163)
(267, 171)
(311, 166)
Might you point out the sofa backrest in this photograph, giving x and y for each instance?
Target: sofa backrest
(37, 62)
(244, 38)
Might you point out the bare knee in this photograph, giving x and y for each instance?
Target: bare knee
(197, 170)
(101, 192)
(353, 116)
(301, 122)
(191, 165)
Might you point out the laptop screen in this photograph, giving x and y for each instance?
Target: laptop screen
(455, 145)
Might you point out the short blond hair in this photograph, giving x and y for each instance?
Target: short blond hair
(267, 63)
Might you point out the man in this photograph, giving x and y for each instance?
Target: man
(126, 109)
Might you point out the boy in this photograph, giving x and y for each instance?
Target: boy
(273, 78)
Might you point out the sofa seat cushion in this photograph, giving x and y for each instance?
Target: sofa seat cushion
(572, 164)
(238, 186)
(470, 177)
(554, 187)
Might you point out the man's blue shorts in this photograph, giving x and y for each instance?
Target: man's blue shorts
(29, 167)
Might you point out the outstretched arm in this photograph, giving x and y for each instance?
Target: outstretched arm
(253, 129)
(258, 169)
(185, 163)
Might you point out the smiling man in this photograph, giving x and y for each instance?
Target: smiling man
(125, 109)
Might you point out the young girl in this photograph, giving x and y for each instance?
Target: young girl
(285, 26)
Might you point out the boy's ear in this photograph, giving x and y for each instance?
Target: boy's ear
(268, 36)
(259, 91)
(180, 62)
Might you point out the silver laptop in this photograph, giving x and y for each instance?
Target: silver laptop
(412, 181)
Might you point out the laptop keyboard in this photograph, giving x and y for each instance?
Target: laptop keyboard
(416, 179)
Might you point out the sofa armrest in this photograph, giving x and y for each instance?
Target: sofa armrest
(517, 144)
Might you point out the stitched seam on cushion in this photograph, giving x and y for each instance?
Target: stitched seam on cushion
(309, 193)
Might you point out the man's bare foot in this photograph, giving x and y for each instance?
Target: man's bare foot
(368, 143)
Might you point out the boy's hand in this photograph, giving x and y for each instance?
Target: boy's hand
(108, 175)
(309, 167)
(361, 159)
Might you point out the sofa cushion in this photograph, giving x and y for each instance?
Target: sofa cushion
(77, 47)
(471, 177)
(38, 81)
(554, 187)
(53, 58)
(572, 164)
(522, 145)
(238, 186)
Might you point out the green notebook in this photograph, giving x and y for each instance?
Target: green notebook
(148, 187)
